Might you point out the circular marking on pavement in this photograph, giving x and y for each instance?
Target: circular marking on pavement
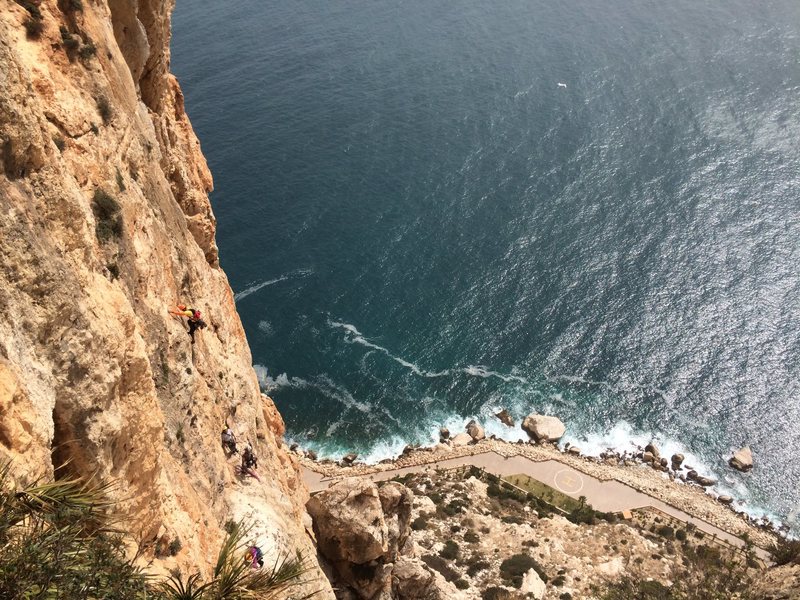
(568, 481)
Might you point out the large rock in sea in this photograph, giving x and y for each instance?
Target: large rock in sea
(475, 431)
(543, 428)
(742, 459)
(361, 531)
(677, 461)
(505, 418)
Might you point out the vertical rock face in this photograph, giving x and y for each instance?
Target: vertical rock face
(104, 224)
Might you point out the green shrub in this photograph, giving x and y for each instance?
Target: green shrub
(514, 568)
(476, 565)
(32, 8)
(33, 27)
(87, 51)
(175, 546)
(60, 143)
(462, 584)
(58, 542)
(565, 596)
(559, 581)
(106, 212)
(420, 523)
(786, 552)
(104, 108)
(437, 563)
(450, 551)
(495, 593)
(179, 434)
(435, 497)
(70, 42)
(666, 531)
(113, 270)
(471, 537)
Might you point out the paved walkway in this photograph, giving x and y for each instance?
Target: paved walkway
(605, 496)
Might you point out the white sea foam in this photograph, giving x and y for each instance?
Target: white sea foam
(254, 287)
(485, 372)
(354, 336)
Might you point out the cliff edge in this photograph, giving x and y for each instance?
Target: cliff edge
(105, 224)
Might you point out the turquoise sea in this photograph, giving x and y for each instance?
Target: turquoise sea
(430, 210)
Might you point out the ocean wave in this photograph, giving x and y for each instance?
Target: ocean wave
(485, 373)
(255, 287)
(354, 336)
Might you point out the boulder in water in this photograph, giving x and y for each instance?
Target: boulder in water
(742, 459)
(543, 428)
(505, 418)
(677, 461)
(475, 431)
(653, 449)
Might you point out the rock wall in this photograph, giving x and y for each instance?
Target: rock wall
(94, 373)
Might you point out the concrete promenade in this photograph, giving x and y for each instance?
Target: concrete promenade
(606, 496)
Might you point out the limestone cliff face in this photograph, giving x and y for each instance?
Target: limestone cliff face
(92, 368)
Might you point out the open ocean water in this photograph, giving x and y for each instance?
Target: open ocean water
(429, 210)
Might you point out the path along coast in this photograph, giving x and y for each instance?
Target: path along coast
(609, 487)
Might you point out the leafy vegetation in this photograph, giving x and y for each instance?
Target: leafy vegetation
(786, 552)
(59, 540)
(106, 211)
(451, 550)
(514, 568)
(104, 108)
(234, 578)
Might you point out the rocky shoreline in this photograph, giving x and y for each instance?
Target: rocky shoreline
(667, 479)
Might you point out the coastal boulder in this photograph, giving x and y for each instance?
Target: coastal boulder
(444, 434)
(543, 428)
(475, 431)
(505, 418)
(349, 459)
(742, 459)
(677, 461)
(653, 449)
(462, 439)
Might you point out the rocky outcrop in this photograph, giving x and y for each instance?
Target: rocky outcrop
(105, 224)
(363, 531)
(742, 459)
(543, 428)
(475, 431)
(505, 418)
(677, 461)
(461, 439)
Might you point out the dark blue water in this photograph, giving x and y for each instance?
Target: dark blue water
(432, 209)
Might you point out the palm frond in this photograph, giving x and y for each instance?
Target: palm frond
(175, 588)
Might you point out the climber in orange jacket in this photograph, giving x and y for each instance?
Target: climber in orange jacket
(193, 318)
